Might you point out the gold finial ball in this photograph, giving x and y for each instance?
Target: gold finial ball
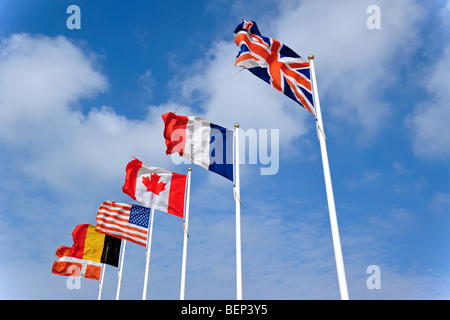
(311, 57)
(236, 125)
(189, 169)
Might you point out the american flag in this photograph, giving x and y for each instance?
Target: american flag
(123, 220)
(274, 63)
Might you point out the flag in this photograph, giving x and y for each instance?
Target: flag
(90, 250)
(206, 144)
(123, 220)
(65, 265)
(155, 187)
(274, 63)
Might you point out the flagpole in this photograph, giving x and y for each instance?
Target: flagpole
(147, 253)
(119, 283)
(100, 288)
(237, 199)
(329, 189)
(186, 236)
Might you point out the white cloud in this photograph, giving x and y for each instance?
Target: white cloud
(59, 163)
(354, 65)
(228, 96)
(429, 122)
(83, 155)
(41, 79)
(147, 81)
(440, 203)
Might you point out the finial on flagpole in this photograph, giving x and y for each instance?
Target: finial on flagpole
(189, 169)
(311, 57)
(236, 125)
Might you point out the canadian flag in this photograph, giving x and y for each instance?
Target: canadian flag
(155, 187)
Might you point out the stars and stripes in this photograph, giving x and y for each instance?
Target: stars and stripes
(274, 63)
(123, 220)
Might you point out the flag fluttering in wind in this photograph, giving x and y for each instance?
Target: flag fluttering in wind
(66, 265)
(287, 72)
(123, 220)
(274, 63)
(155, 187)
(206, 144)
(90, 250)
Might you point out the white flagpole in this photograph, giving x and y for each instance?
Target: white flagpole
(237, 199)
(100, 288)
(147, 253)
(186, 236)
(119, 283)
(329, 189)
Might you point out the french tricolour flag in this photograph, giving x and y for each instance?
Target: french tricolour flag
(206, 144)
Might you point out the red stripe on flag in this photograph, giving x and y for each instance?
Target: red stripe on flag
(123, 234)
(113, 219)
(176, 195)
(79, 238)
(175, 132)
(124, 227)
(130, 178)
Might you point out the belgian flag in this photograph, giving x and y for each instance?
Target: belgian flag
(89, 250)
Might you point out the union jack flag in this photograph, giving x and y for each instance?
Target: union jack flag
(274, 63)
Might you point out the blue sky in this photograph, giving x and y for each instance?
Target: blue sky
(75, 105)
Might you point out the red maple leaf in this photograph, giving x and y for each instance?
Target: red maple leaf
(153, 185)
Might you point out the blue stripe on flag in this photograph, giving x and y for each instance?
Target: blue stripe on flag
(221, 152)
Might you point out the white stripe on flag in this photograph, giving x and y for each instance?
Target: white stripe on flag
(123, 236)
(149, 199)
(198, 138)
(84, 263)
